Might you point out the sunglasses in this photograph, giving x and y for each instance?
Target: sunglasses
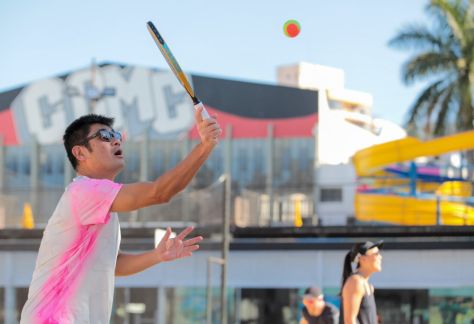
(373, 254)
(105, 135)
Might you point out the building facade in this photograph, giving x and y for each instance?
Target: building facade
(286, 150)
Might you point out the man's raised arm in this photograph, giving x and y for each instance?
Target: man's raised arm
(138, 195)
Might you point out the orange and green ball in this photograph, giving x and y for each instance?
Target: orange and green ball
(291, 28)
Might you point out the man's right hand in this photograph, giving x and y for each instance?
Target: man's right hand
(208, 129)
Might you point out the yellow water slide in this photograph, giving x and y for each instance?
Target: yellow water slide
(409, 210)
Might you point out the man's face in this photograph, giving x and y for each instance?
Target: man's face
(105, 156)
(314, 305)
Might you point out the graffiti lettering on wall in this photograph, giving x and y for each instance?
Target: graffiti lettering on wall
(145, 102)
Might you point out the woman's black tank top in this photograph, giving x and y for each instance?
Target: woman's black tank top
(367, 311)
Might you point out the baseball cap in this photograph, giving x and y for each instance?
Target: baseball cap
(313, 291)
(364, 247)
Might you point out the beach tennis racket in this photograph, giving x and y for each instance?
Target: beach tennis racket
(173, 64)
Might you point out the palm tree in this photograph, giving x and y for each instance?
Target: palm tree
(444, 59)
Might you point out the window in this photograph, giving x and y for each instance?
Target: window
(331, 194)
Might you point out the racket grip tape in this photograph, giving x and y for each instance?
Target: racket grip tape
(204, 113)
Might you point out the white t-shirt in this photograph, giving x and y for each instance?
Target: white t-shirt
(74, 276)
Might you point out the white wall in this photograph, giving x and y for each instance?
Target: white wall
(419, 269)
(337, 176)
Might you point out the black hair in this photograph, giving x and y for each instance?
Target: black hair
(347, 267)
(77, 131)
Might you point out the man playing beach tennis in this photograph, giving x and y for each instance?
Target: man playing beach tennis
(73, 280)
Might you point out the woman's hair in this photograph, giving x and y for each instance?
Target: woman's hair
(347, 267)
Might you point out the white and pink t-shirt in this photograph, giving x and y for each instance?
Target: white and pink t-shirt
(74, 277)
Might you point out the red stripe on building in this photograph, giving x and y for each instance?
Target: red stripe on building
(257, 128)
(7, 128)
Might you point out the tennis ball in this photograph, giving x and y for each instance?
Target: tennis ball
(291, 28)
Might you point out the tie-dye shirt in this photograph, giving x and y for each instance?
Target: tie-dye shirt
(73, 281)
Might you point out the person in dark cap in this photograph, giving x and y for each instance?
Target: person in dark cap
(316, 310)
(357, 294)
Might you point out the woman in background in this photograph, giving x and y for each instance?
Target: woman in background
(357, 294)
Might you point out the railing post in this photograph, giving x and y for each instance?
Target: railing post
(144, 156)
(34, 175)
(438, 211)
(9, 302)
(2, 165)
(316, 176)
(143, 173)
(34, 165)
(228, 151)
(126, 298)
(209, 293)
(226, 223)
(269, 179)
(185, 148)
(160, 315)
(210, 261)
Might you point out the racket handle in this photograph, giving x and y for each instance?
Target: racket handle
(204, 113)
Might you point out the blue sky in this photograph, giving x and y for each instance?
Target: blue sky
(240, 40)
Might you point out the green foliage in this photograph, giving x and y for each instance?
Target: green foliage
(444, 59)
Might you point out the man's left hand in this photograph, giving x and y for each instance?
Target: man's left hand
(170, 249)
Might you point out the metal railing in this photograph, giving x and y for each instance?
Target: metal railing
(36, 175)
